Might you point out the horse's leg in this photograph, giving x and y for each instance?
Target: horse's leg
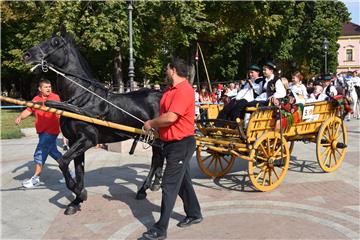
(76, 151)
(157, 162)
(74, 206)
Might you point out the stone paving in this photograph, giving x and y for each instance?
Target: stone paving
(309, 204)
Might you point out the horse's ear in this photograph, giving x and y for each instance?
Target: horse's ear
(63, 30)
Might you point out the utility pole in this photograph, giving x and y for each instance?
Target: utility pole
(131, 60)
(326, 48)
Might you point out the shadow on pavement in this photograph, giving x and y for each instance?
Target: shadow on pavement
(127, 175)
(304, 166)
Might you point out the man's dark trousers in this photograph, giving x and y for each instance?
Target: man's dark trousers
(177, 180)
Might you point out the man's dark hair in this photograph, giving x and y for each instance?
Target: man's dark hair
(43, 80)
(182, 69)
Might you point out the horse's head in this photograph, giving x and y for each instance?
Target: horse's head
(53, 51)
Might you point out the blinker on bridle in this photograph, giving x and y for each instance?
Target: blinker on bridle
(44, 64)
(148, 138)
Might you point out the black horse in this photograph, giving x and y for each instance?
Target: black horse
(61, 53)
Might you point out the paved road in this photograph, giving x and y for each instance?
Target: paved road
(309, 204)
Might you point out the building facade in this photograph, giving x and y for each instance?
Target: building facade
(349, 50)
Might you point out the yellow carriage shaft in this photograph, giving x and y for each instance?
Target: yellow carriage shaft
(75, 116)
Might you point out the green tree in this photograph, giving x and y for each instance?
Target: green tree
(232, 34)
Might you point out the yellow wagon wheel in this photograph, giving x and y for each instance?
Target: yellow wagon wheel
(269, 168)
(213, 163)
(331, 144)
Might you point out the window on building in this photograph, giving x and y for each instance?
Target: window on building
(349, 55)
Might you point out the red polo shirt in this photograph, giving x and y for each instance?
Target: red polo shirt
(179, 99)
(46, 121)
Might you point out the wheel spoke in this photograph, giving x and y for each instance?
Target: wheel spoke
(221, 164)
(278, 151)
(277, 176)
(212, 160)
(264, 151)
(275, 142)
(330, 154)
(259, 174)
(226, 160)
(268, 146)
(326, 158)
(261, 158)
(337, 130)
(340, 153)
(335, 160)
(331, 128)
(216, 166)
(264, 179)
(327, 138)
(322, 154)
(206, 158)
(329, 134)
(260, 165)
(270, 178)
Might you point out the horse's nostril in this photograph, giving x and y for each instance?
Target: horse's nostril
(26, 56)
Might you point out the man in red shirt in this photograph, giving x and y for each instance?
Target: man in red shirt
(47, 126)
(176, 130)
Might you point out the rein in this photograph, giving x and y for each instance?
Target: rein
(45, 67)
(95, 94)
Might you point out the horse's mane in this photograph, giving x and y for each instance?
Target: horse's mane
(83, 62)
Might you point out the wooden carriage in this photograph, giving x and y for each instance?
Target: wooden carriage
(268, 149)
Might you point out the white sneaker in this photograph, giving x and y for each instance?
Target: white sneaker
(72, 173)
(32, 182)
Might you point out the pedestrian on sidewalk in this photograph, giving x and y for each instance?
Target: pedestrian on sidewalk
(176, 130)
(47, 126)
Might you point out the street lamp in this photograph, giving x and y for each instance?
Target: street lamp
(131, 60)
(326, 48)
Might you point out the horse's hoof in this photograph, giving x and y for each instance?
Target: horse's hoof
(155, 187)
(72, 209)
(140, 196)
(83, 195)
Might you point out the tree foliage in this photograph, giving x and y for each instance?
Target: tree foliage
(232, 34)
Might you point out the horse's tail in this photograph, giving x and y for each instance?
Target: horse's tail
(68, 107)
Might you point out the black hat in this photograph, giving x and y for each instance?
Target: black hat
(254, 67)
(270, 64)
(326, 77)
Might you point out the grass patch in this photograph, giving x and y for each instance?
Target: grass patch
(9, 129)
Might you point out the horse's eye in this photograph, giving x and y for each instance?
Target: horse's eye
(55, 42)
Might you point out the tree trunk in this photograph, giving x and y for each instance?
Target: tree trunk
(118, 83)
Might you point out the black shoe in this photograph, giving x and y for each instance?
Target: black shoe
(154, 234)
(341, 145)
(188, 221)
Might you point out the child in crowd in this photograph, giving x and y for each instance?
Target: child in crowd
(298, 88)
(318, 94)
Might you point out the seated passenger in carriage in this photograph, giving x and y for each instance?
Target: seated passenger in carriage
(272, 90)
(248, 91)
(318, 94)
(298, 88)
(329, 89)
